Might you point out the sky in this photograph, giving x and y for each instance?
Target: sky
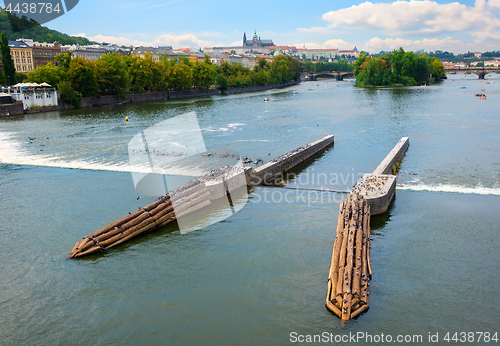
(370, 26)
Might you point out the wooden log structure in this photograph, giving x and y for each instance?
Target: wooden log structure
(179, 202)
(349, 277)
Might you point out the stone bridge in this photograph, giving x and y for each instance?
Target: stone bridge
(480, 71)
(332, 74)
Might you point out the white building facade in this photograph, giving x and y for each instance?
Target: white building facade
(33, 98)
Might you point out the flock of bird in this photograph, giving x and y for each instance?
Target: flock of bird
(245, 160)
(158, 152)
(31, 139)
(371, 184)
(222, 173)
(290, 153)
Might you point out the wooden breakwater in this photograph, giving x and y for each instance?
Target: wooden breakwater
(348, 292)
(185, 199)
(188, 198)
(350, 270)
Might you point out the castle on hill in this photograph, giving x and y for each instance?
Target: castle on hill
(256, 41)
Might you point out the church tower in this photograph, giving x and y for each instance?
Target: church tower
(244, 39)
(255, 39)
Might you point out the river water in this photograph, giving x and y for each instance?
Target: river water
(261, 274)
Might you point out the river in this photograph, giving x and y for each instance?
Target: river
(261, 274)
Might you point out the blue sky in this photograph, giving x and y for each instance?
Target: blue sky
(372, 26)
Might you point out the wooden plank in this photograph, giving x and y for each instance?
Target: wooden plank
(334, 266)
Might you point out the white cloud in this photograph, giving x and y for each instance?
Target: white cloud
(494, 3)
(330, 44)
(337, 43)
(176, 41)
(308, 45)
(376, 44)
(415, 17)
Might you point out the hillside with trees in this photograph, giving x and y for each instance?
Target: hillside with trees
(398, 68)
(37, 33)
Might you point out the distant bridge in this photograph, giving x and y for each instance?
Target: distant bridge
(480, 71)
(332, 74)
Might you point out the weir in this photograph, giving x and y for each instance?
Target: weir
(194, 196)
(350, 272)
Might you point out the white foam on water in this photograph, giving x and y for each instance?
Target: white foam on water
(11, 152)
(211, 129)
(255, 140)
(477, 190)
(235, 125)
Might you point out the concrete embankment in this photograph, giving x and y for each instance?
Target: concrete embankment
(397, 153)
(379, 187)
(269, 172)
(11, 109)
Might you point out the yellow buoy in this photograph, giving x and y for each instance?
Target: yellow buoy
(126, 118)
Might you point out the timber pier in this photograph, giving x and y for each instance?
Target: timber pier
(193, 196)
(348, 292)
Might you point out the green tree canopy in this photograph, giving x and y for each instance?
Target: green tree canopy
(7, 61)
(396, 68)
(49, 73)
(81, 75)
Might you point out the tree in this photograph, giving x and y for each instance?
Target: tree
(437, 68)
(7, 61)
(423, 68)
(49, 73)
(64, 59)
(112, 74)
(81, 75)
(140, 72)
(407, 69)
(68, 94)
(408, 64)
(221, 81)
(397, 61)
(203, 74)
(357, 66)
(180, 76)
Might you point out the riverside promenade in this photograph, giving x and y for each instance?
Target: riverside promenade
(16, 109)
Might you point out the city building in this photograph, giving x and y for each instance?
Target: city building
(33, 95)
(354, 53)
(492, 63)
(90, 52)
(256, 45)
(43, 53)
(239, 50)
(166, 51)
(318, 53)
(142, 51)
(22, 54)
(218, 58)
(289, 50)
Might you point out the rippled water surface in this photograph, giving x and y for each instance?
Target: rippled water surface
(262, 273)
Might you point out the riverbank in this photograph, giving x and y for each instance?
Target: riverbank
(14, 109)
